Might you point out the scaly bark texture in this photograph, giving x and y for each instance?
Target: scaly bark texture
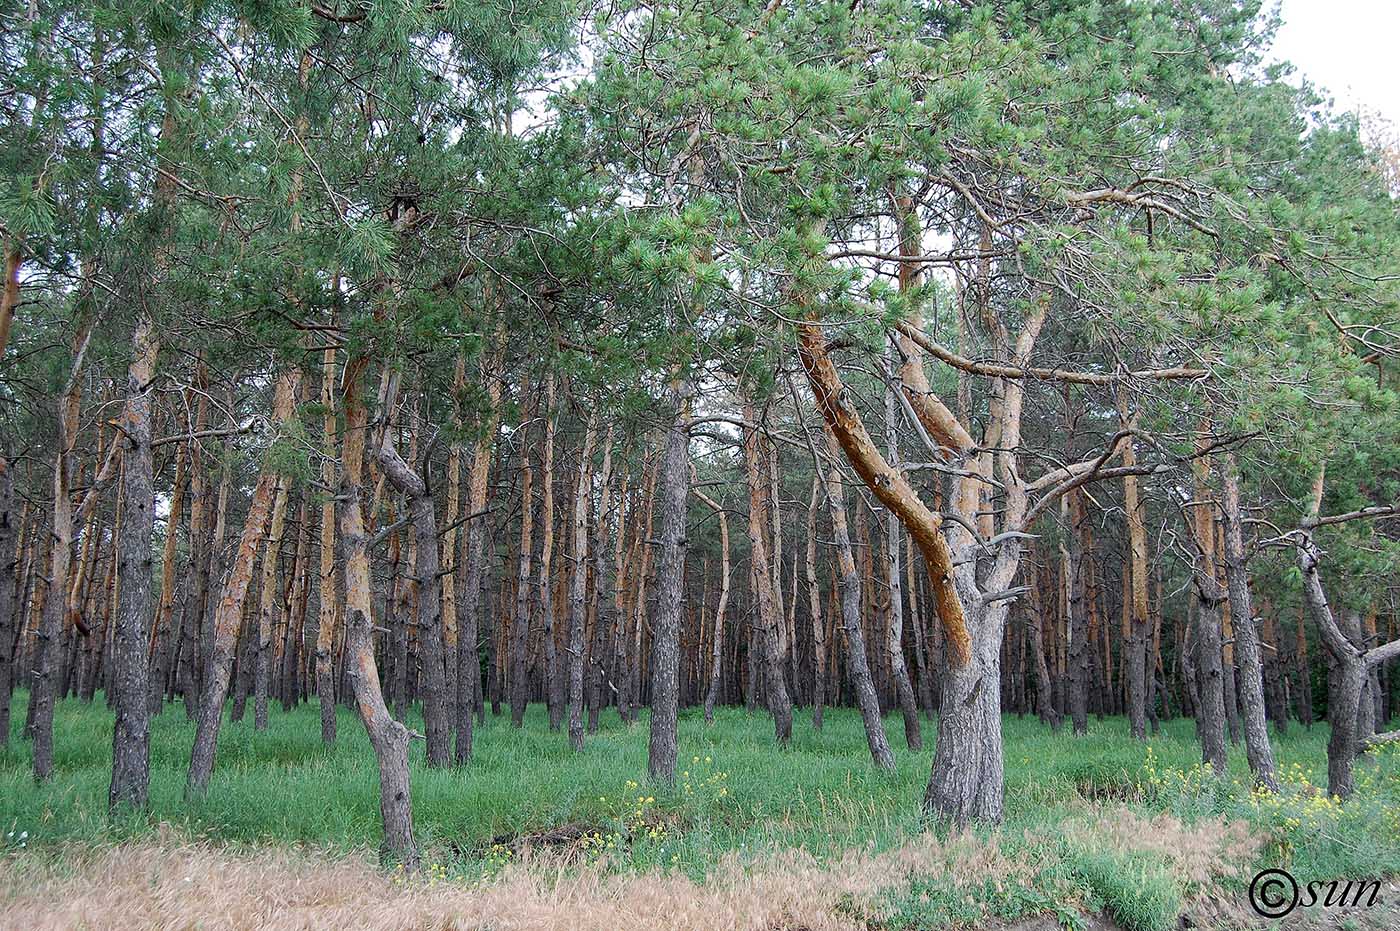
(131, 734)
(1256, 729)
(520, 622)
(1210, 717)
(673, 487)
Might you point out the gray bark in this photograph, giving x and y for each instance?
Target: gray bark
(674, 490)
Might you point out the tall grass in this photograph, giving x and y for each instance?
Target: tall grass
(1078, 810)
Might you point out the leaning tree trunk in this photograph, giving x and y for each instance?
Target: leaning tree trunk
(228, 616)
(1256, 727)
(674, 480)
(857, 663)
(131, 736)
(772, 659)
(578, 586)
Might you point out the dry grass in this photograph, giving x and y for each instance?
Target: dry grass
(192, 886)
(172, 884)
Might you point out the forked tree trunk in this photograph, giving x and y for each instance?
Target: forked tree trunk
(578, 585)
(388, 737)
(131, 736)
(423, 517)
(779, 704)
(1256, 728)
(673, 482)
(228, 616)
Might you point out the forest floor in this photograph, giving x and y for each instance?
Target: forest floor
(1101, 832)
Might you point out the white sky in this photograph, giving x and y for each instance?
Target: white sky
(1349, 47)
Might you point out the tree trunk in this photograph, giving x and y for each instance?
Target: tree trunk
(1076, 531)
(604, 591)
(778, 701)
(520, 626)
(325, 627)
(419, 504)
(131, 737)
(267, 597)
(51, 621)
(1256, 729)
(894, 627)
(814, 606)
(674, 479)
(228, 616)
(469, 600)
(552, 692)
(857, 666)
(1135, 658)
(388, 737)
(578, 585)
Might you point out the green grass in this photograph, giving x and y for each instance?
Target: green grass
(736, 794)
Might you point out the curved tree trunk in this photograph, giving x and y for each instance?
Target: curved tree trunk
(419, 503)
(388, 737)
